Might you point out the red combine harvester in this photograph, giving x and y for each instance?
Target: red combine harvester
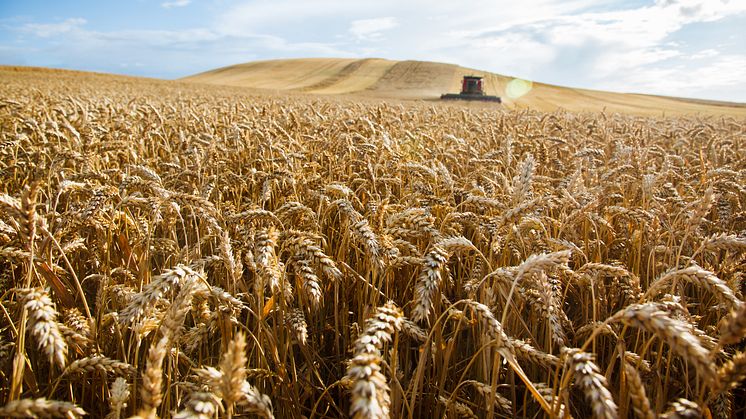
(471, 89)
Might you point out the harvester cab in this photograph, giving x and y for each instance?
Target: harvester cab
(471, 89)
(472, 85)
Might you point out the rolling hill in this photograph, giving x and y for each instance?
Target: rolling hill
(421, 80)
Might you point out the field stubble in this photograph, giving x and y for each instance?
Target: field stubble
(175, 250)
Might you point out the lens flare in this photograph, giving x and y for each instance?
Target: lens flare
(518, 87)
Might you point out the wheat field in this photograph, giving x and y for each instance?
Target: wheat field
(176, 250)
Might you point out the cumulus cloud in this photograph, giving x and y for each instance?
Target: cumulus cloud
(372, 29)
(599, 49)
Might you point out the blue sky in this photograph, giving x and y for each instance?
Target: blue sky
(693, 48)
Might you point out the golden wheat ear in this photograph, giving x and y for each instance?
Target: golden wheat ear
(40, 408)
(42, 324)
(675, 332)
(370, 391)
(588, 378)
(637, 393)
(118, 397)
(733, 326)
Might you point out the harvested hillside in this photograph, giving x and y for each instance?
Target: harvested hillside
(177, 250)
(423, 80)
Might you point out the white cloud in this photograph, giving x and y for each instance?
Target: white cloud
(705, 53)
(251, 16)
(158, 53)
(701, 10)
(175, 3)
(600, 49)
(372, 29)
(688, 81)
(46, 30)
(273, 15)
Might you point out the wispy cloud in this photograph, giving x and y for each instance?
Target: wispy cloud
(175, 3)
(713, 74)
(704, 54)
(46, 30)
(372, 29)
(158, 53)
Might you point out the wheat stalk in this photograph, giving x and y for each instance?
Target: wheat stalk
(701, 278)
(675, 332)
(682, 409)
(99, 363)
(200, 406)
(141, 302)
(637, 394)
(588, 377)
(732, 373)
(429, 281)
(118, 397)
(42, 324)
(229, 382)
(733, 327)
(370, 391)
(40, 408)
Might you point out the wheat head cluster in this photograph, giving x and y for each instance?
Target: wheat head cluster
(173, 250)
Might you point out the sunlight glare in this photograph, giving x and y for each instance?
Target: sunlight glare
(518, 87)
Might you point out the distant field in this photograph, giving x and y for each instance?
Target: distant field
(173, 249)
(380, 78)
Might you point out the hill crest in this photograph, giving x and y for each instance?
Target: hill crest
(424, 80)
